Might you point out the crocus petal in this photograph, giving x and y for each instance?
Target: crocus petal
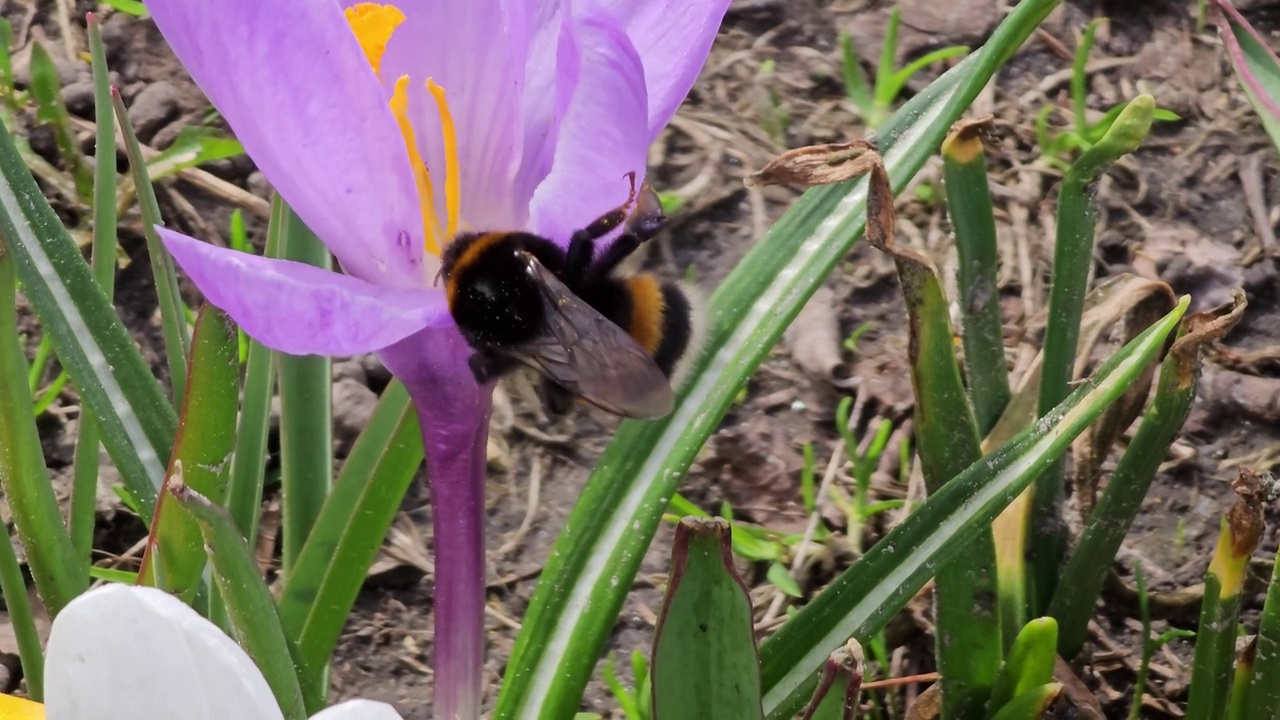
(454, 414)
(673, 37)
(603, 136)
(124, 652)
(303, 310)
(475, 50)
(551, 76)
(291, 80)
(358, 710)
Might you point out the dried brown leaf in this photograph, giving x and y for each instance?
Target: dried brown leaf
(817, 165)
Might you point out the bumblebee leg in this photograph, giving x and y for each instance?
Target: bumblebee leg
(556, 399)
(487, 364)
(643, 224)
(582, 245)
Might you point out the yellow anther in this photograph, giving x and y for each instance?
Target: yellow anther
(400, 109)
(373, 25)
(452, 173)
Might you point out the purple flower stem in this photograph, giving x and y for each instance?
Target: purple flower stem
(454, 414)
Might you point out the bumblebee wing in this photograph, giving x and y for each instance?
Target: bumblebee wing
(592, 357)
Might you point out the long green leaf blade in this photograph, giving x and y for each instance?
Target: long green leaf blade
(173, 318)
(84, 492)
(598, 554)
(319, 593)
(1086, 569)
(864, 597)
(60, 573)
(136, 421)
(306, 413)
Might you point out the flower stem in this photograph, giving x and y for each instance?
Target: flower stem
(454, 414)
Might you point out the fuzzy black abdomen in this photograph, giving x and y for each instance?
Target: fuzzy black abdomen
(492, 298)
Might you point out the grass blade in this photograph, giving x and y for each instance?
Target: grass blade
(306, 413)
(598, 554)
(137, 422)
(319, 593)
(173, 317)
(59, 572)
(859, 602)
(47, 91)
(84, 492)
(248, 466)
(1263, 698)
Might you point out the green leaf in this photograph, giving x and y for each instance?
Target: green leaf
(248, 466)
(705, 665)
(173, 319)
(1030, 664)
(859, 602)
(59, 572)
(1255, 64)
(131, 7)
(780, 577)
(1085, 571)
(175, 557)
(1072, 260)
(969, 207)
(319, 593)
(193, 146)
(1031, 705)
(836, 697)
(595, 559)
(255, 623)
(306, 413)
(970, 647)
(84, 492)
(47, 91)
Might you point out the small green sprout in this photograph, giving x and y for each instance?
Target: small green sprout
(874, 104)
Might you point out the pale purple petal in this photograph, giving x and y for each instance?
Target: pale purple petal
(303, 310)
(673, 37)
(475, 50)
(454, 413)
(292, 81)
(603, 136)
(123, 652)
(551, 76)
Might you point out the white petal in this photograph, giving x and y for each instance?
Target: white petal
(358, 710)
(123, 652)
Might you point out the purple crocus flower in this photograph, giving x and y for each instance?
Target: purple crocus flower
(389, 128)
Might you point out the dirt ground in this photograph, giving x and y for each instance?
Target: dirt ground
(1196, 206)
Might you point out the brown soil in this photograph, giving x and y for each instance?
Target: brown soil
(1178, 209)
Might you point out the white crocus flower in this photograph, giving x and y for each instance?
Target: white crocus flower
(123, 652)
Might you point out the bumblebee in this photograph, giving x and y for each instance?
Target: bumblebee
(591, 331)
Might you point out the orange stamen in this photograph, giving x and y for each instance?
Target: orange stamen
(373, 25)
(452, 173)
(430, 224)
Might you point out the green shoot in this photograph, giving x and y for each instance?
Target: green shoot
(874, 104)
(851, 343)
(240, 241)
(772, 117)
